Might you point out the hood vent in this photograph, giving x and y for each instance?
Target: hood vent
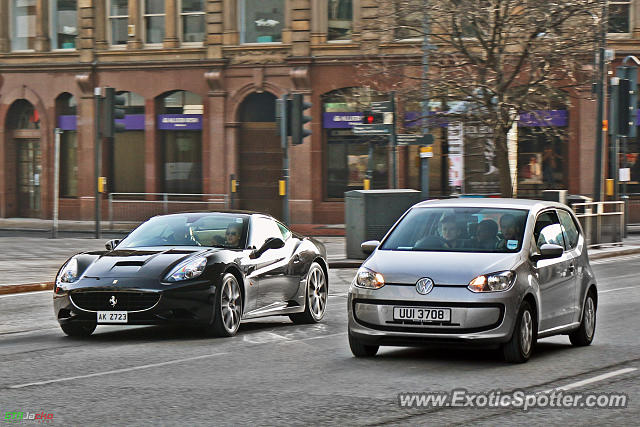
(129, 264)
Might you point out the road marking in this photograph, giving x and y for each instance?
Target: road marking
(592, 380)
(618, 289)
(25, 293)
(116, 371)
(615, 259)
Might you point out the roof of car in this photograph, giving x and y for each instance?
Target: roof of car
(486, 202)
(222, 211)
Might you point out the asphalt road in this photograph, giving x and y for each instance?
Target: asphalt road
(274, 372)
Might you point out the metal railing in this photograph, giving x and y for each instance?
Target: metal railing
(141, 206)
(602, 222)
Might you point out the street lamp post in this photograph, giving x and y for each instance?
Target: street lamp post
(597, 184)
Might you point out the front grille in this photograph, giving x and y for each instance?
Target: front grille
(124, 301)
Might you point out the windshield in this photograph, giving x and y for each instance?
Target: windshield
(212, 230)
(461, 229)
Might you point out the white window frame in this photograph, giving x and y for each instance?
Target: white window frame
(629, 4)
(241, 25)
(146, 15)
(53, 28)
(353, 14)
(182, 14)
(110, 19)
(12, 13)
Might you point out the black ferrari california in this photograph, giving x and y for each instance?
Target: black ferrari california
(209, 269)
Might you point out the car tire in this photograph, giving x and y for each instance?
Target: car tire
(227, 308)
(316, 296)
(518, 349)
(359, 349)
(583, 336)
(78, 330)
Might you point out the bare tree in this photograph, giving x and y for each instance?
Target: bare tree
(494, 58)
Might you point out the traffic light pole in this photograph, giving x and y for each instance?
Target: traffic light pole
(394, 143)
(284, 120)
(98, 159)
(424, 161)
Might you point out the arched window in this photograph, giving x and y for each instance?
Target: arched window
(128, 148)
(180, 130)
(347, 154)
(66, 113)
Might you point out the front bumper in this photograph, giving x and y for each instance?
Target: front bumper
(475, 318)
(191, 303)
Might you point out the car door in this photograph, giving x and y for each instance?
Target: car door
(571, 236)
(270, 267)
(557, 287)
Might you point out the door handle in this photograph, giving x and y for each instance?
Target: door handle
(572, 268)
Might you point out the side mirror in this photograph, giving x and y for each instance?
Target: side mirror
(548, 251)
(111, 244)
(270, 243)
(369, 246)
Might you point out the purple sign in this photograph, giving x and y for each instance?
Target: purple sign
(341, 120)
(544, 118)
(180, 121)
(68, 122)
(132, 121)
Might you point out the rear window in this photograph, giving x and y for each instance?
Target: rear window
(463, 229)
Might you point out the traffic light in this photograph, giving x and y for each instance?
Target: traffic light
(298, 119)
(370, 118)
(624, 99)
(628, 100)
(112, 112)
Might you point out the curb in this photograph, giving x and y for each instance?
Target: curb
(30, 287)
(613, 254)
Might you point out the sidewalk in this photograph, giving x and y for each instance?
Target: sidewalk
(30, 263)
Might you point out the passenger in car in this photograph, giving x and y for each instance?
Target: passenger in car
(449, 236)
(510, 230)
(486, 235)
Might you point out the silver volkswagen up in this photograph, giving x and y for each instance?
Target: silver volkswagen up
(487, 271)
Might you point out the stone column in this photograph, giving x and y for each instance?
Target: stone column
(214, 146)
(99, 20)
(171, 14)
(230, 12)
(300, 27)
(5, 44)
(43, 42)
(319, 21)
(135, 19)
(214, 28)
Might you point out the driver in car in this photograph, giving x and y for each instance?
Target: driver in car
(232, 235)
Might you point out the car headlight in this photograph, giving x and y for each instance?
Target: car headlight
(369, 279)
(494, 282)
(188, 269)
(69, 272)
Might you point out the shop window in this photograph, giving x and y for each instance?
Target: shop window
(64, 23)
(154, 21)
(261, 21)
(66, 111)
(347, 154)
(619, 17)
(128, 148)
(180, 129)
(340, 19)
(541, 159)
(118, 20)
(23, 24)
(192, 20)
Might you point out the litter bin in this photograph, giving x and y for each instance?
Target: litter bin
(370, 213)
(555, 196)
(577, 198)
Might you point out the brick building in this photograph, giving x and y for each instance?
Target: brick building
(201, 78)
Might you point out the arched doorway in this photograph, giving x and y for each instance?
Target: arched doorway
(24, 159)
(260, 155)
